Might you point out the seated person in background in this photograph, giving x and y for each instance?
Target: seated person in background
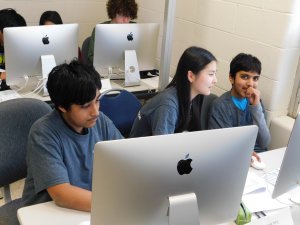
(50, 18)
(53, 18)
(119, 11)
(177, 108)
(61, 144)
(242, 106)
(8, 18)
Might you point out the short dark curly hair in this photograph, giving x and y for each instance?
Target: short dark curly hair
(244, 62)
(127, 8)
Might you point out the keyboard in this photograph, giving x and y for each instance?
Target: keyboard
(8, 94)
(271, 177)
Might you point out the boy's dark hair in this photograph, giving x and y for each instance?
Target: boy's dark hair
(73, 83)
(244, 62)
(127, 8)
(51, 16)
(10, 18)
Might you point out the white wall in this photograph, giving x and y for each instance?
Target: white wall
(85, 12)
(268, 29)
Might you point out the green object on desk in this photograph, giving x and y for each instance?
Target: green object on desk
(244, 215)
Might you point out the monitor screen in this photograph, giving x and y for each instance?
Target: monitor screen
(111, 41)
(289, 173)
(136, 181)
(24, 47)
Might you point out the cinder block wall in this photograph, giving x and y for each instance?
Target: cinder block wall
(266, 28)
(85, 12)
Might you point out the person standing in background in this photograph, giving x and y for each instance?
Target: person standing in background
(61, 144)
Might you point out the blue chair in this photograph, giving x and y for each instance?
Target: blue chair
(121, 107)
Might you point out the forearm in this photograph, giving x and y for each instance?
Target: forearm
(68, 196)
(263, 137)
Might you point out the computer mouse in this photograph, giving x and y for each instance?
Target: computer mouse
(86, 222)
(256, 164)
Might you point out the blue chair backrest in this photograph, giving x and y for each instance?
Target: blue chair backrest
(121, 109)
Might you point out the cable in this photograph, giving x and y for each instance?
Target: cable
(26, 78)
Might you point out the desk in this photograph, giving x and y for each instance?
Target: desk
(148, 86)
(48, 213)
(273, 160)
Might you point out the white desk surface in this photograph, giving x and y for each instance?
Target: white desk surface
(148, 84)
(48, 213)
(273, 160)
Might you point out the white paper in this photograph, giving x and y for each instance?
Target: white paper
(281, 217)
(261, 201)
(254, 183)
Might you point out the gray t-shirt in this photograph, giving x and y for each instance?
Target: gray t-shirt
(56, 154)
(158, 116)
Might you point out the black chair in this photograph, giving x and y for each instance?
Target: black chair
(8, 212)
(121, 107)
(206, 110)
(16, 119)
(84, 51)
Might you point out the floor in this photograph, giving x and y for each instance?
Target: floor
(16, 190)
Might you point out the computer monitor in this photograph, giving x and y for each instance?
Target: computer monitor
(114, 44)
(24, 47)
(189, 176)
(289, 172)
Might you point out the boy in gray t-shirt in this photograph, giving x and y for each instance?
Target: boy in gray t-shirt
(61, 144)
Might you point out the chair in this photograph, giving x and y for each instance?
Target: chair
(16, 119)
(121, 108)
(206, 110)
(84, 51)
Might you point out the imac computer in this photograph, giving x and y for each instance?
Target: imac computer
(31, 52)
(125, 50)
(185, 178)
(289, 172)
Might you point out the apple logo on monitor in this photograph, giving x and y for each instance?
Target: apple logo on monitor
(130, 36)
(45, 40)
(184, 165)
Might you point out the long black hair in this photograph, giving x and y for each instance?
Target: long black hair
(193, 59)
